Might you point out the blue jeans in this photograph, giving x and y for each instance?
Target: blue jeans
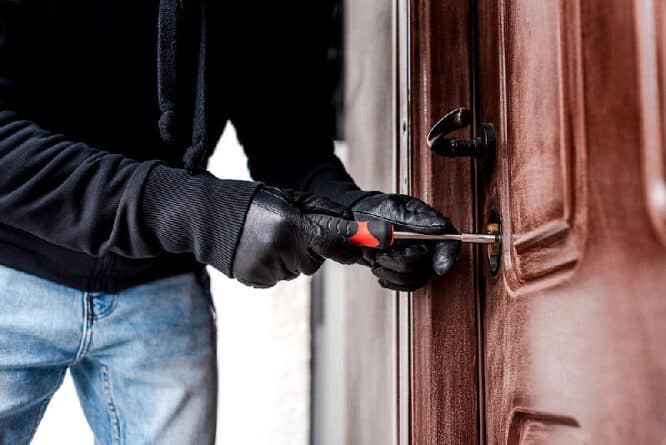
(143, 360)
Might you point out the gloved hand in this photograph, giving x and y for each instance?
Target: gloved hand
(287, 233)
(407, 265)
(277, 236)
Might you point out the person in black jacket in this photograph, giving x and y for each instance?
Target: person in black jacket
(108, 114)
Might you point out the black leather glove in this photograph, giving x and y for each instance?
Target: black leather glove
(287, 233)
(407, 265)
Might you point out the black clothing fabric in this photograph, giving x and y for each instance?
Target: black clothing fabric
(98, 98)
(190, 222)
(290, 233)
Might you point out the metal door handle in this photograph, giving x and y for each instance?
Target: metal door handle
(481, 147)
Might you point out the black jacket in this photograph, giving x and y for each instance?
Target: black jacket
(96, 95)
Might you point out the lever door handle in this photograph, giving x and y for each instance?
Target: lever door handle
(481, 147)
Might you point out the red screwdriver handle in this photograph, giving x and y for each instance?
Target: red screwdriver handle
(374, 234)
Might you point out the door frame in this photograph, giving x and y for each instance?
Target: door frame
(439, 323)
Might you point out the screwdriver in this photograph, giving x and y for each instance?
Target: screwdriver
(381, 235)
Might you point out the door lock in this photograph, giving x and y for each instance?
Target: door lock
(494, 227)
(481, 147)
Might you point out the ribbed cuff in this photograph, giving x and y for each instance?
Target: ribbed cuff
(199, 213)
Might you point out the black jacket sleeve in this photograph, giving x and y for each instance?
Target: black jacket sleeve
(73, 195)
(278, 93)
(69, 193)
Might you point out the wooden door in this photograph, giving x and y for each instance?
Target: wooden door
(566, 342)
(574, 323)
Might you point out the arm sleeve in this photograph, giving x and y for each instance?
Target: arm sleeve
(280, 102)
(96, 202)
(69, 193)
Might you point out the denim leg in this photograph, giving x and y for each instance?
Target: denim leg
(150, 373)
(93, 388)
(40, 334)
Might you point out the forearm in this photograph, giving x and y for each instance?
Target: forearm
(69, 193)
(96, 202)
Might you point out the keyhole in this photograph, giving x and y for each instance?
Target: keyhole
(494, 227)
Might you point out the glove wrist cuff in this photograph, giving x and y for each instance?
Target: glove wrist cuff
(197, 214)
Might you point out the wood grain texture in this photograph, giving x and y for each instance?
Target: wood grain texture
(575, 354)
(444, 342)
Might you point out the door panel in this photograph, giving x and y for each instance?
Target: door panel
(543, 176)
(538, 108)
(651, 21)
(574, 322)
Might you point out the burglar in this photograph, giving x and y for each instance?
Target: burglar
(109, 111)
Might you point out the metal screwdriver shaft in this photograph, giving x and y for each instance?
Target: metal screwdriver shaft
(476, 238)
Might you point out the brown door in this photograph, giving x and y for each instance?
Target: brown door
(566, 342)
(574, 322)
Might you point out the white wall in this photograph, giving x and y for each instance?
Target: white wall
(355, 392)
(263, 349)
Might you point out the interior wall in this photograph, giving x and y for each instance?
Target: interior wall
(354, 368)
(370, 132)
